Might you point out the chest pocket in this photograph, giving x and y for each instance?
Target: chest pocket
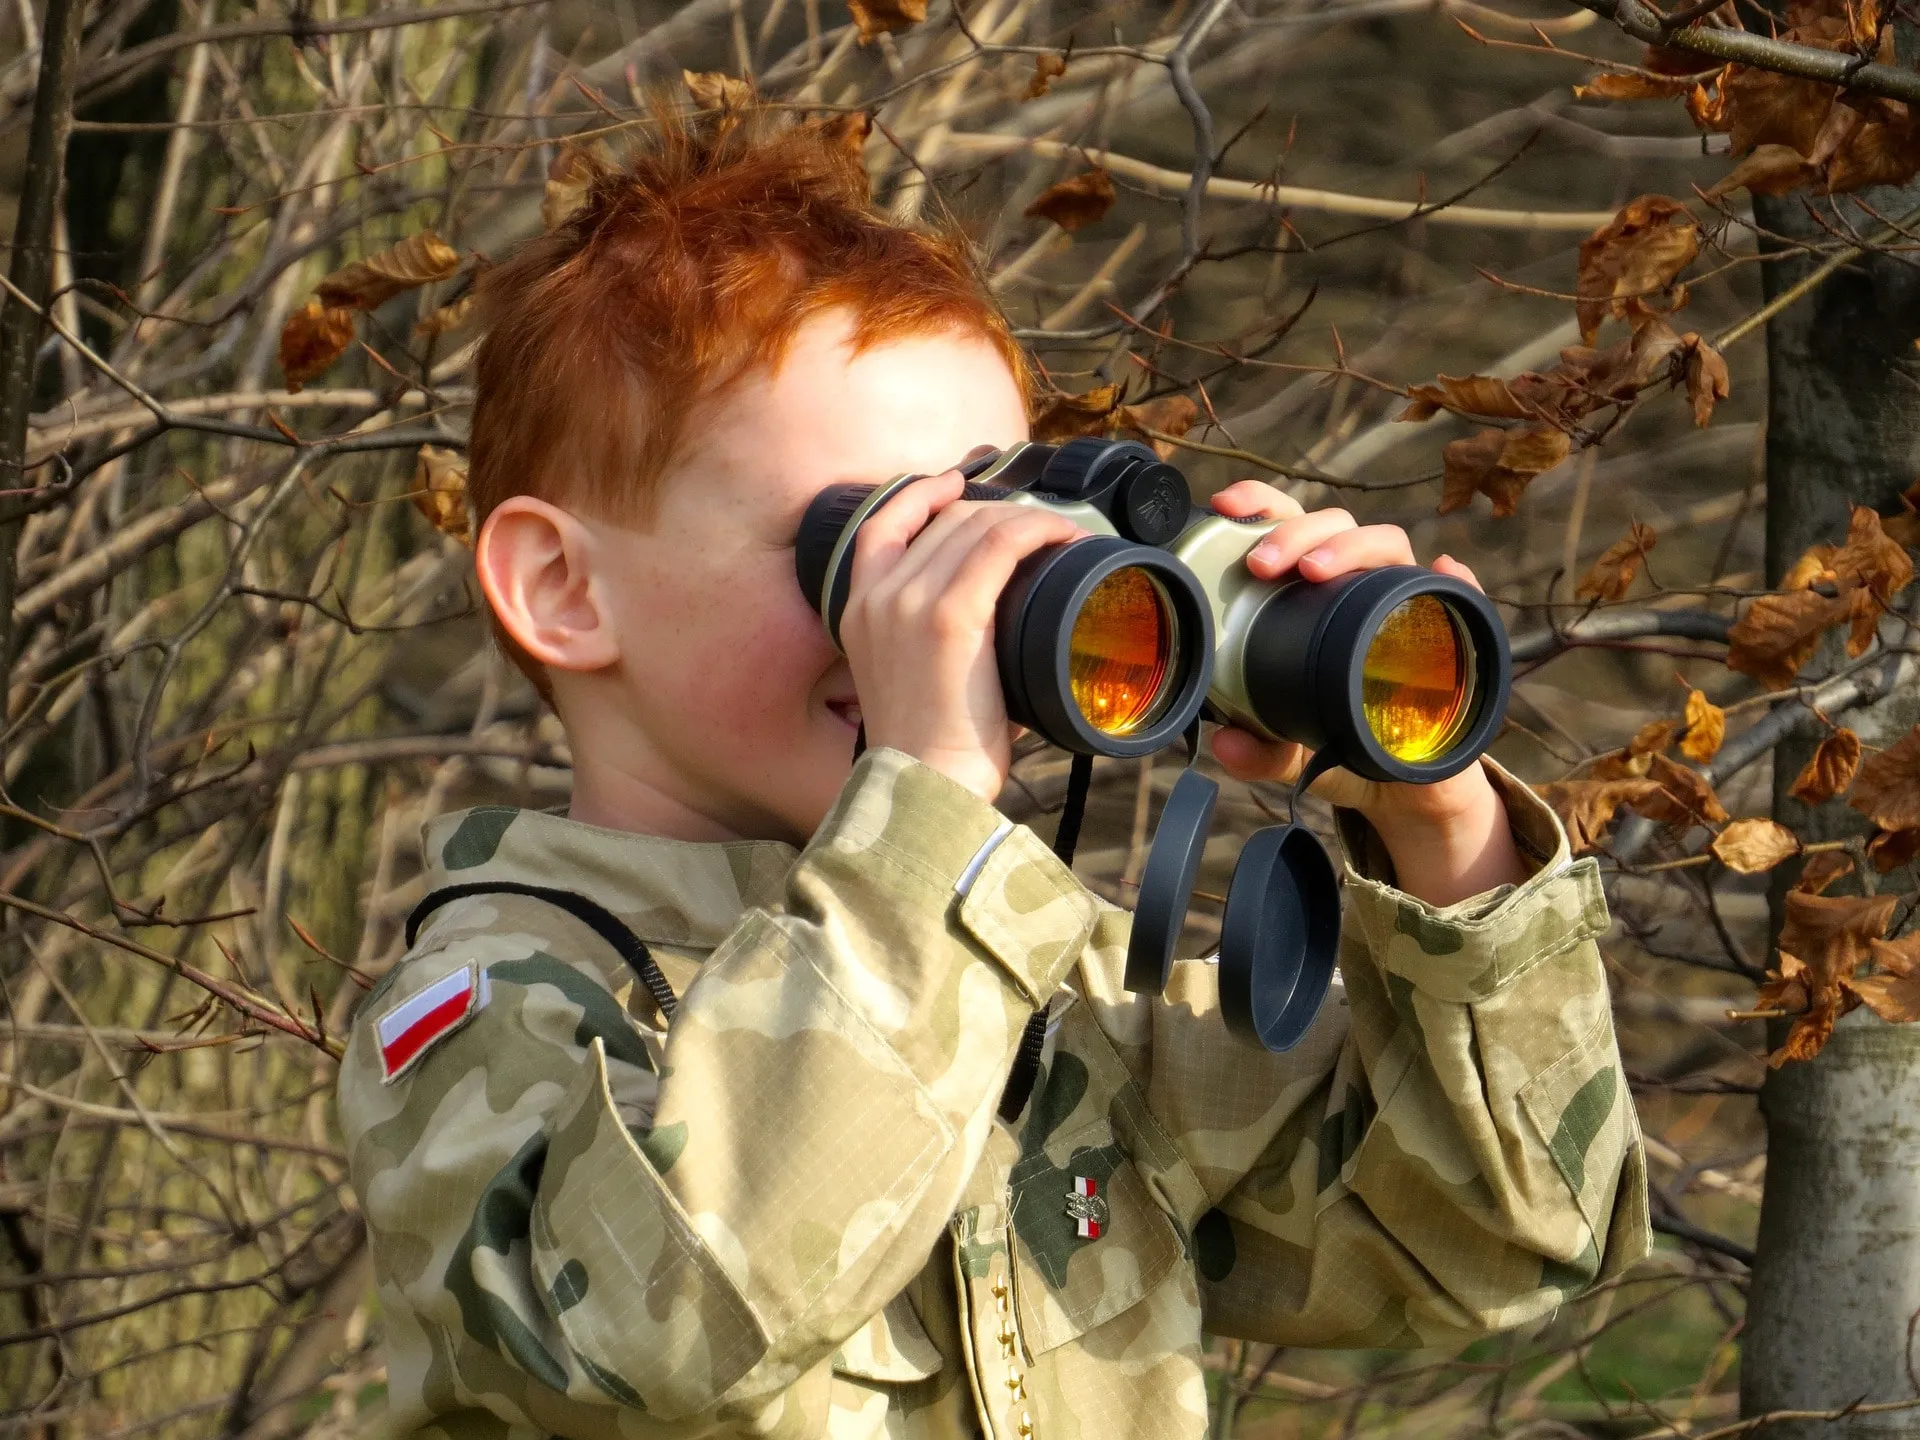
(893, 1347)
(1089, 1242)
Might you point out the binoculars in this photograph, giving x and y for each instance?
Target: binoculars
(1118, 643)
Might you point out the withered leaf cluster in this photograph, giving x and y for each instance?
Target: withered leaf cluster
(440, 491)
(1824, 945)
(1059, 416)
(1831, 585)
(1790, 133)
(1629, 270)
(318, 333)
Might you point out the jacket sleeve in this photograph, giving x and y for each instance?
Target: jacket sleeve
(1451, 1150)
(828, 1083)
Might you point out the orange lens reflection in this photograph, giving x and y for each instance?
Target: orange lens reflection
(1120, 652)
(1414, 685)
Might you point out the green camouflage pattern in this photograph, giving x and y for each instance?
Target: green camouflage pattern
(795, 1213)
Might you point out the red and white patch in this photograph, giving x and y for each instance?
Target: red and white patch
(416, 1024)
(1088, 1210)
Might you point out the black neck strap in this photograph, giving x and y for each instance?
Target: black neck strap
(602, 921)
(1033, 1039)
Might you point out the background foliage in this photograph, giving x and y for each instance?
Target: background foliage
(1488, 271)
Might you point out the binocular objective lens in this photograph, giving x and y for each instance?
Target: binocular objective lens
(1417, 680)
(1120, 655)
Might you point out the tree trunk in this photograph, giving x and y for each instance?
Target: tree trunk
(1836, 1275)
(31, 273)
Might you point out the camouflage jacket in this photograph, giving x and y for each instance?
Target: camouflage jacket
(793, 1211)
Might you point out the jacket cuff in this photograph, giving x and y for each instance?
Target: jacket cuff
(1007, 889)
(1469, 950)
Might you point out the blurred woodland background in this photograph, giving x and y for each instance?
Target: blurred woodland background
(1571, 293)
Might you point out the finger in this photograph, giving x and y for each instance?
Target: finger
(1246, 756)
(1255, 497)
(1283, 545)
(1367, 547)
(885, 535)
(1447, 565)
(933, 560)
(965, 580)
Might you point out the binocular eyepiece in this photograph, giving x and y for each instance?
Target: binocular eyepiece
(1114, 644)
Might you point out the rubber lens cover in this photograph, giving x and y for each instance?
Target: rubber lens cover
(1279, 937)
(1166, 885)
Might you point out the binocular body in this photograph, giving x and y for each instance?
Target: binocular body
(1116, 643)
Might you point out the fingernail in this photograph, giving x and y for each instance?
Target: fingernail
(1318, 557)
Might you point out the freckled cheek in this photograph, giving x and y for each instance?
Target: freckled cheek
(764, 662)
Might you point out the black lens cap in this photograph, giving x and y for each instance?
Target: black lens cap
(1166, 885)
(1279, 937)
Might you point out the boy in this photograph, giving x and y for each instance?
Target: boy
(766, 1192)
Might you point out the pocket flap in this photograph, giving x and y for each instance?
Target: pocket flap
(892, 1346)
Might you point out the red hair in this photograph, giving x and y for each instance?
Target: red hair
(687, 268)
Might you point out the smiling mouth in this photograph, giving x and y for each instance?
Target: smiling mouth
(846, 711)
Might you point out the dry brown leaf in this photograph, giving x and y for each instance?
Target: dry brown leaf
(1815, 567)
(1891, 849)
(1765, 108)
(1829, 770)
(1587, 807)
(1610, 576)
(1821, 870)
(1046, 69)
(447, 317)
(1871, 558)
(440, 492)
(1786, 987)
(1705, 375)
(569, 177)
(1629, 264)
(1631, 87)
(1465, 395)
(717, 90)
(1754, 846)
(1832, 934)
(1169, 415)
(1693, 799)
(1706, 728)
(1808, 1035)
(1863, 621)
(1498, 464)
(881, 17)
(1779, 633)
(1769, 170)
(313, 337)
(369, 283)
(1653, 736)
(1076, 203)
(1061, 416)
(1887, 789)
(1899, 957)
(1894, 998)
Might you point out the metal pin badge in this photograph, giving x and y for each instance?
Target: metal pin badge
(1087, 1207)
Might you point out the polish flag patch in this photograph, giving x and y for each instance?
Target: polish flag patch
(1086, 1207)
(416, 1024)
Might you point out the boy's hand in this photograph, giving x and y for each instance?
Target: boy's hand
(1448, 840)
(918, 627)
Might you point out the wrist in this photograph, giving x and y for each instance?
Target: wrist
(1448, 841)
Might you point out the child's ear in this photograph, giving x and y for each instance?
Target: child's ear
(535, 563)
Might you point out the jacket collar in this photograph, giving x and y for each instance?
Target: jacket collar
(669, 892)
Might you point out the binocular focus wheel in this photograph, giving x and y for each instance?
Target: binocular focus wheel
(1279, 938)
(1166, 885)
